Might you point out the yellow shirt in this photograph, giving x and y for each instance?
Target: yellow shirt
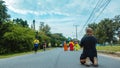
(77, 47)
(36, 41)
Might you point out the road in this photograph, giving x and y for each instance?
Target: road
(55, 58)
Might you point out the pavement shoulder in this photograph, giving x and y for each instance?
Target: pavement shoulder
(115, 55)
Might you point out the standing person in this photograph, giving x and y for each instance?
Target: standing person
(49, 44)
(71, 44)
(56, 44)
(36, 44)
(88, 43)
(44, 46)
(65, 46)
(76, 46)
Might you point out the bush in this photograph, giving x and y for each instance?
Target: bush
(16, 39)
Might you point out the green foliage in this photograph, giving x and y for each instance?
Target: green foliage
(57, 38)
(43, 37)
(106, 29)
(44, 28)
(3, 12)
(20, 22)
(16, 38)
(93, 26)
(109, 48)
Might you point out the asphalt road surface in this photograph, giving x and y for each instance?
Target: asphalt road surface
(56, 58)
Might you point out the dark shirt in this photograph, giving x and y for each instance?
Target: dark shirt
(89, 46)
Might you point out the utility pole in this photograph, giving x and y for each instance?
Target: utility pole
(76, 30)
(34, 24)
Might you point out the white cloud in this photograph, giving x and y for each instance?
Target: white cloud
(10, 2)
(113, 8)
(71, 11)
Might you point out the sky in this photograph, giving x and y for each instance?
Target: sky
(60, 15)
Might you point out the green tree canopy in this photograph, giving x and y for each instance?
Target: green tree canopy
(16, 38)
(3, 12)
(106, 29)
(20, 22)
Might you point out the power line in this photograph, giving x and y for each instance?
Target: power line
(100, 6)
(96, 9)
(90, 1)
(90, 16)
(76, 31)
(104, 5)
(102, 10)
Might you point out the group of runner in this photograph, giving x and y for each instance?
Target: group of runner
(72, 46)
(36, 45)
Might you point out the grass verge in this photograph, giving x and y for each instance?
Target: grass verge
(19, 54)
(109, 48)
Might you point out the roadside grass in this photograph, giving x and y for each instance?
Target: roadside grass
(109, 48)
(19, 54)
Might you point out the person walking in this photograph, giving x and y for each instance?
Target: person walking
(44, 46)
(49, 44)
(36, 44)
(76, 46)
(65, 46)
(71, 44)
(88, 43)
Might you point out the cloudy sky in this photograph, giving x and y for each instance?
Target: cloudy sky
(60, 15)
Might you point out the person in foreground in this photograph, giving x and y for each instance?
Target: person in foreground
(88, 43)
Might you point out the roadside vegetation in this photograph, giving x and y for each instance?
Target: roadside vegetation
(109, 48)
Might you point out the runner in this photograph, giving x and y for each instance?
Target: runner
(65, 46)
(76, 47)
(44, 46)
(36, 44)
(71, 44)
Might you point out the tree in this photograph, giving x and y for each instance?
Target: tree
(44, 28)
(3, 29)
(93, 26)
(3, 12)
(116, 20)
(105, 30)
(57, 38)
(20, 22)
(41, 26)
(34, 24)
(100, 34)
(16, 38)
